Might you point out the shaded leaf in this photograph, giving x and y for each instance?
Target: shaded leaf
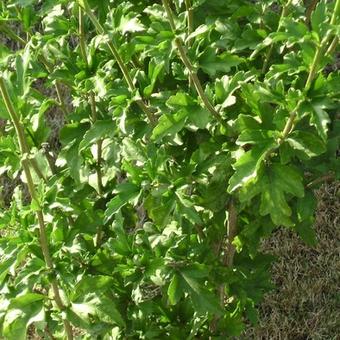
(248, 165)
(125, 193)
(169, 125)
(175, 290)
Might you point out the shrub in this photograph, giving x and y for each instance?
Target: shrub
(194, 130)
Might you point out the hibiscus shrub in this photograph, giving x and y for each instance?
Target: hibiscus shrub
(189, 131)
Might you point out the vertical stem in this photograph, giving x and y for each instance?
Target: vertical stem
(336, 13)
(321, 50)
(169, 14)
(60, 97)
(119, 60)
(99, 145)
(49, 68)
(42, 59)
(190, 16)
(83, 52)
(187, 63)
(42, 229)
(332, 46)
(229, 253)
(82, 44)
(190, 24)
(315, 64)
(231, 233)
(271, 48)
(310, 10)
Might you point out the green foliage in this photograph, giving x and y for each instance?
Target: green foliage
(193, 133)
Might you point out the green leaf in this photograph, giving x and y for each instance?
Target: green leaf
(307, 233)
(180, 99)
(131, 25)
(306, 206)
(248, 165)
(107, 311)
(98, 283)
(272, 38)
(257, 137)
(246, 122)
(73, 131)
(175, 290)
(319, 17)
(23, 311)
(95, 305)
(288, 179)
(160, 213)
(169, 125)
(305, 210)
(226, 86)
(132, 151)
(276, 181)
(212, 63)
(320, 119)
(233, 324)
(74, 162)
(306, 142)
(3, 110)
(99, 130)
(25, 3)
(273, 202)
(125, 193)
(203, 300)
(55, 22)
(199, 31)
(199, 116)
(154, 73)
(21, 64)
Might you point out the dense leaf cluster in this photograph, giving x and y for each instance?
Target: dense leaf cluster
(195, 129)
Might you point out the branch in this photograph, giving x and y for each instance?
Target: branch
(190, 24)
(42, 229)
(128, 79)
(6, 29)
(190, 16)
(332, 46)
(321, 50)
(187, 63)
(41, 58)
(271, 48)
(326, 178)
(228, 257)
(82, 44)
(310, 10)
(99, 145)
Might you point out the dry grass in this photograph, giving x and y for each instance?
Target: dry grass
(306, 302)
